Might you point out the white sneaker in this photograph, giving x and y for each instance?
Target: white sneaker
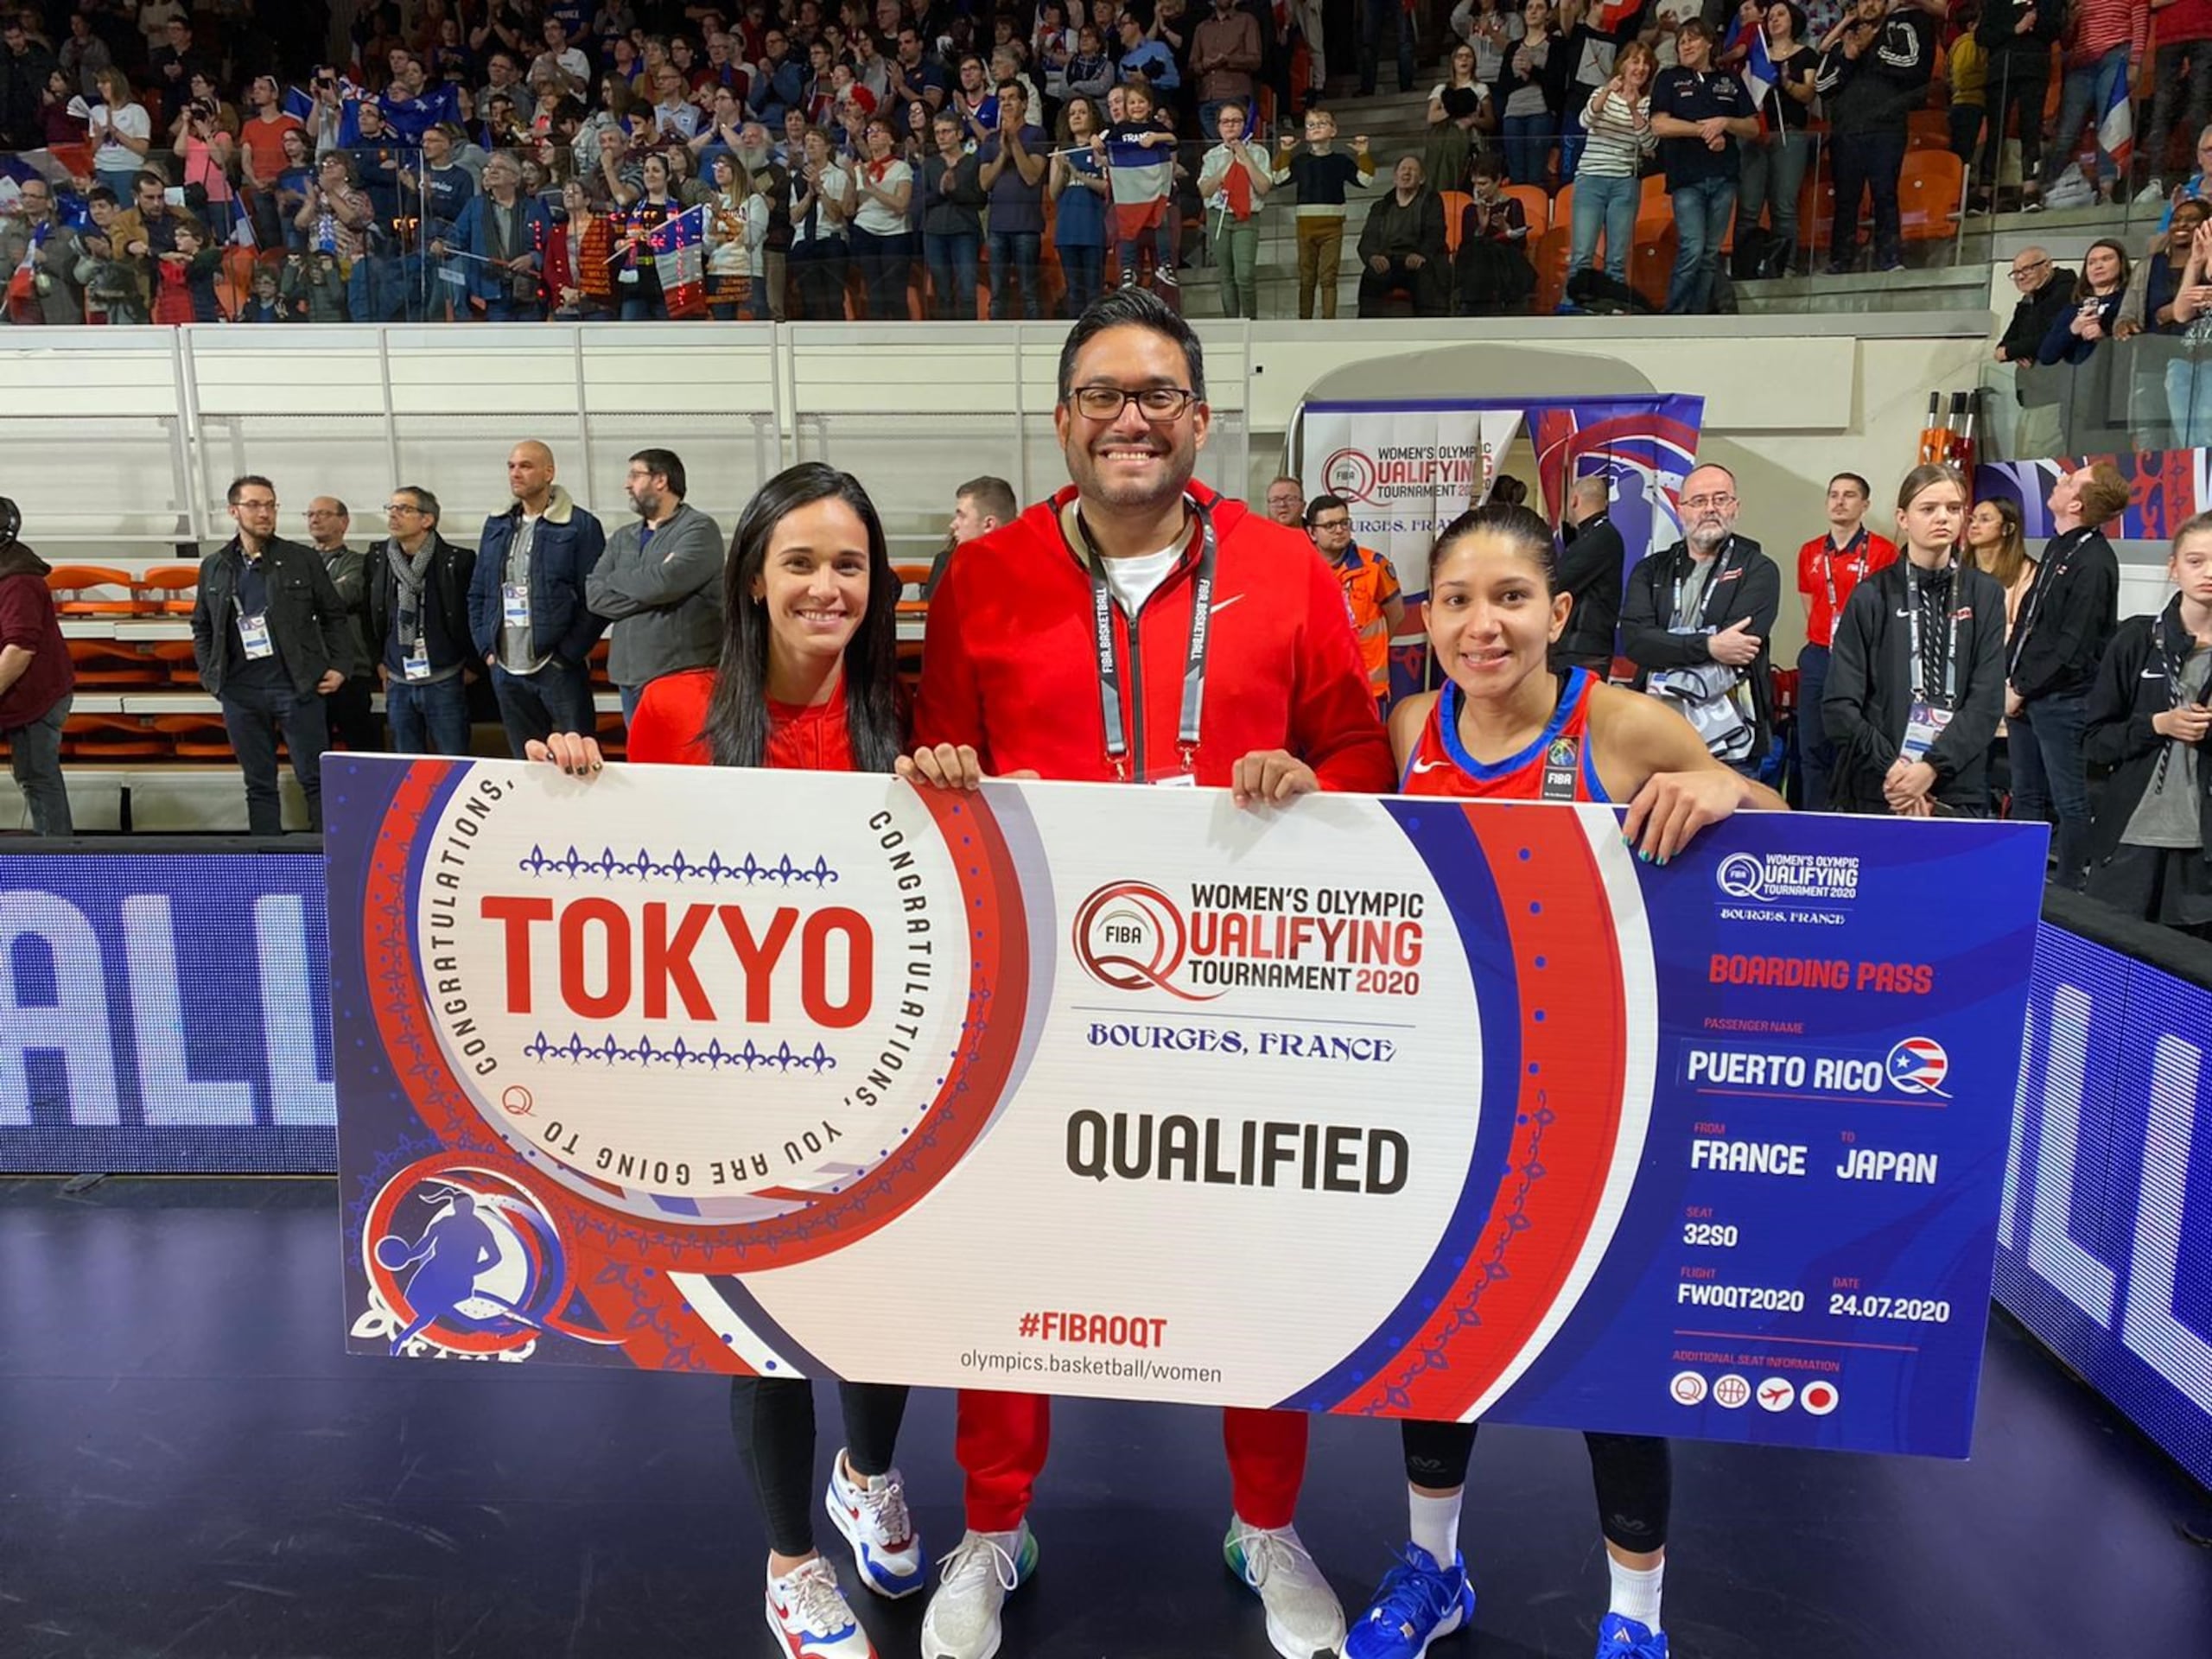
(872, 1517)
(2151, 194)
(807, 1610)
(1303, 1616)
(963, 1620)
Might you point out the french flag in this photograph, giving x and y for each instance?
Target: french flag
(2116, 125)
(1759, 76)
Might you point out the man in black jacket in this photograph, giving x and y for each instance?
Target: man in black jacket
(272, 638)
(1874, 75)
(351, 709)
(418, 617)
(2065, 621)
(1696, 621)
(1401, 250)
(2046, 288)
(1589, 571)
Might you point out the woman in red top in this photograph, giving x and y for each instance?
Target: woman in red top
(808, 679)
(1508, 728)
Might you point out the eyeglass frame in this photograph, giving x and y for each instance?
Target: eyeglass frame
(1700, 503)
(2018, 275)
(1187, 400)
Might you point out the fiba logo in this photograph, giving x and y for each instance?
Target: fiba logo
(1350, 474)
(1918, 1066)
(1561, 753)
(1130, 937)
(1742, 876)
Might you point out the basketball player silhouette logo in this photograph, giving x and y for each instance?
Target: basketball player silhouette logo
(458, 1251)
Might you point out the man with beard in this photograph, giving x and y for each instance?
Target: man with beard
(1696, 621)
(1034, 666)
(659, 582)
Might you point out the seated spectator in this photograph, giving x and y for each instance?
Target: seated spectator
(313, 287)
(1401, 247)
(2093, 402)
(36, 680)
(263, 304)
(2167, 294)
(2148, 718)
(1458, 108)
(1608, 190)
(1494, 276)
(1529, 94)
(1869, 81)
(1090, 72)
(2097, 296)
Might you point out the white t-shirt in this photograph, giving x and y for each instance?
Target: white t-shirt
(1133, 580)
(874, 216)
(829, 222)
(112, 157)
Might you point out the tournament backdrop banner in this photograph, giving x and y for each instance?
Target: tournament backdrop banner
(1396, 1107)
(2166, 488)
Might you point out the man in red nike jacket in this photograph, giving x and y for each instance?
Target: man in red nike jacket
(1138, 628)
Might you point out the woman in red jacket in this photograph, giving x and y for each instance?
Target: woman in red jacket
(808, 679)
(1509, 727)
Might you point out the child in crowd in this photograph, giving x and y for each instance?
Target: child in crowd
(313, 287)
(262, 305)
(186, 278)
(1321, 175)
(1140, 151)
(1233, 180)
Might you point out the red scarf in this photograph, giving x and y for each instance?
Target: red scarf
(1238, 187)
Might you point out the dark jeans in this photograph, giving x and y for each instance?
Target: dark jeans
(2049, 779)
(34, 758)
(1815, 754)
(1374, 17)
(353, 720)
(376, 291)
(818, 268)
(1014, 260)
(2018, 84)
(1528, 141)
(1084, 269)
(428, 719)
(2173, 84)
(1866, 162)
(885, 263)
(253, 716)
(557, 698)
(1423, 287)
(952, 275)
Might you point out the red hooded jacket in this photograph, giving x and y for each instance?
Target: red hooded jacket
(1009, 665)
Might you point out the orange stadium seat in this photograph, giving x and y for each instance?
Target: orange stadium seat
(103, 664)
(167, 589)
(1456, 203)
(116, 737)
(1930, 194)
(1535, 207)
(78, 590)
(196, 737)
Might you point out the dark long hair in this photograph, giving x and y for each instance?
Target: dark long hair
(737, 718)
(1529, 535)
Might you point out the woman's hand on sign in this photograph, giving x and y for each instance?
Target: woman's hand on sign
(948, 765)
(1271, 775)
(1673, 806)
(572, 752)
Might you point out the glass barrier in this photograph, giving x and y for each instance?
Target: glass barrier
(622, 227)
(2151, 391)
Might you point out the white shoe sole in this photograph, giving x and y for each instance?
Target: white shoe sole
(849, 1529)
(1288, 1645)
(940, 1651)
(1457, 1623)
(783, 1640)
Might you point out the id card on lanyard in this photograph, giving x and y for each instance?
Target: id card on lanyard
(1109, 659)
(1858, 574)
(1927, 719)
(1697, 624)
(253, 635)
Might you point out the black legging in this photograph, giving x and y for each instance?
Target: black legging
(1634, 1475)
(773, 1420)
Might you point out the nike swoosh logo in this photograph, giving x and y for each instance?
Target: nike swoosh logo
(1429, 765)
(1221, 605)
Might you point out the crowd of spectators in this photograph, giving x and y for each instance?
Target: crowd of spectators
(511, 160)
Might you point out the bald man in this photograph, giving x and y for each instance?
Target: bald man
(1589, 571)
(526, 609)
(353, 719)
(1286, 502)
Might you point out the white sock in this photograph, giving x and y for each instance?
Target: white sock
(1436, 1526)
(1636, 1592)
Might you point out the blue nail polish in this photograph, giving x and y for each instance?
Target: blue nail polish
(1645, 856)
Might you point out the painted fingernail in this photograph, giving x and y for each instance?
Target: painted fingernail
(1645, 856)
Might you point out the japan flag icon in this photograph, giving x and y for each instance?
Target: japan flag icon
(1819, 1398)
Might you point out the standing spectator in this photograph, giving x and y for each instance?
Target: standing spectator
(1140, 169)
(172, 66)
(1079, 188)
(736, 227)
(952, 222)
(121, 134)
(1593, 32)
(505, 238)
(2171, 294)
(1529, 92)
(527, 614)
(1910, 709)
(1012, 176)
(1321, 176)
(2105, 42)
(2045, 289)
(1700, 115)
(25, 68)
(659, 582)
(272, 638)
(1869, 81)
(1225, 56)
(2065, 622)
(263, 158)
(1002, 690)
(1402, 246)
(979, 506)
(1233, 180)
(84, 55)
(1774, 162)
(41, 255)
(1589, 569)
(1286, 501)
(883, 187)
(1374, 17)
(2016, 36)
(2148, 719)
(146, 233)
(1372, 593)
(821, 201)
(1697, 621)
(1828, 568)
(2182, 74)
(1494, 276)
(1459, 106)
(418, 587)
(350, 709)
(1967, 67)
(36, 679)
(1090, 72)
(1608, 183)
(1144, 56)
(1996, 547)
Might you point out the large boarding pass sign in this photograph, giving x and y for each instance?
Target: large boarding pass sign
(1396, 1107)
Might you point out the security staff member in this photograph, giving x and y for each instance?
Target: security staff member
(1590, 572)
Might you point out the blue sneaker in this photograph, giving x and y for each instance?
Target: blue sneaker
(1419, 1602)
(1623, 1638)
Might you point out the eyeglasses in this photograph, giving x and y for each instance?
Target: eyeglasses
(1159, 405)
(2021, 273)
(1700, 503)
(401, 507)
(1332, 524)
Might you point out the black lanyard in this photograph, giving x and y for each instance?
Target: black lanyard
(1712, 587)
(1863, 543)
(2046, 578)
(1109, 645)
(1912, 603)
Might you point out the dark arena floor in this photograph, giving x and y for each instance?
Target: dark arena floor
(192, 1469)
